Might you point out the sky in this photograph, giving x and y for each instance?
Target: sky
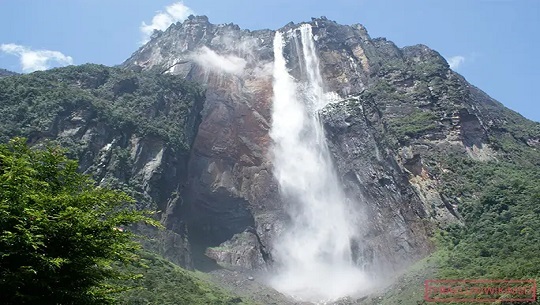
(494, 44)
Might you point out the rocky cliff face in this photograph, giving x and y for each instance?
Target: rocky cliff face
(230, 188)
(398, 112)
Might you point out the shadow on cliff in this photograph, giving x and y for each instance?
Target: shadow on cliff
(213, 218)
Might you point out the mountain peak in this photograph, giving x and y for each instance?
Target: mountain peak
(198, 18)
(5, 73)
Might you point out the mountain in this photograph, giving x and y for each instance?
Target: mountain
(183, 125)
(130, 131)
(402, 111)
(4, 73)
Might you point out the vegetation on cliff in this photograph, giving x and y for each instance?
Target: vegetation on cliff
(31, 103)
(500, 205)
(497, 197)
(35, 106)
(105, 117)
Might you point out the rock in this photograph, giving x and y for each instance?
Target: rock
(243, 250)
(230, 185)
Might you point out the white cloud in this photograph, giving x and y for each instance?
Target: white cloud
(33, 60)
(162, 20)
(210, 60)
(455, 62)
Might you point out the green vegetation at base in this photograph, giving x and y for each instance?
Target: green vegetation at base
(60, 234)
(164, 283)
(65, 241)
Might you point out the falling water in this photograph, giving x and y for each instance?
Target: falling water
(314, 254)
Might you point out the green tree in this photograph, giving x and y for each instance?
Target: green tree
(61, 236)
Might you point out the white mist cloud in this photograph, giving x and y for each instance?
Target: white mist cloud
(34, 60)
(455, 61)
(264, 69)
(162, 20)
(212, 61)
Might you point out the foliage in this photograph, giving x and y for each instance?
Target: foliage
(422, 103)
(500, 206)
(501, 210)
(427, 69)
(164, 283)
(59, 234)
(412, 124)
(146, 103)
(382, 89)
(513, 148)
(392, 66)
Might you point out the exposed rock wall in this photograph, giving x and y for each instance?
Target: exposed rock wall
(397, 111)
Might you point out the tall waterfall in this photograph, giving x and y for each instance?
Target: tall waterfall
(314, 254)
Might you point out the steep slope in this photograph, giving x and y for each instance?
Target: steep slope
(167, 284)
(402, 112)
(130, 131)
(231, 187)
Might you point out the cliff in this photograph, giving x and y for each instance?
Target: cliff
(183, 125)
(400, 112)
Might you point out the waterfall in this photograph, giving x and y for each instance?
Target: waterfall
(314, 256)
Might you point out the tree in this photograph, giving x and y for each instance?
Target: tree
(60, 235)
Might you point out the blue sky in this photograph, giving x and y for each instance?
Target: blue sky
(495, 44)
